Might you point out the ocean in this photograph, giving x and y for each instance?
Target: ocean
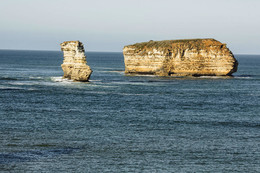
(121, 123)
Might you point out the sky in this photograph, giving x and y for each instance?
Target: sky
(109, 25)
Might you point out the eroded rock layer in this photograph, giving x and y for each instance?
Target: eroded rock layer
(195, 57)
(74, 64)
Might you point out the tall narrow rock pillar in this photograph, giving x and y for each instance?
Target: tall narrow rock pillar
(74, 64)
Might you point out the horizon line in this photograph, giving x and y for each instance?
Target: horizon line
(103, 51)
(58, 50)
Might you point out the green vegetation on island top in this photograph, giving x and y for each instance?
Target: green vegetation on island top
(198, 43)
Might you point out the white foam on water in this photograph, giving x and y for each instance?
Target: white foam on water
(225, 77)
(11, 88)
(32, 89)
(214, 77)
(103, 86)
(243, 77)
(25, 83)
(105, 68)
(97, 92)
(107, 86)
(61, 79)
(35, 77)
(129, 94)
(121, 72)
(138, 83)
(116, 71)
(43, 81)
(94, 80)
(142, 75)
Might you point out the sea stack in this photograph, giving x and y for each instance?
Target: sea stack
(191, 57)
(74, 64)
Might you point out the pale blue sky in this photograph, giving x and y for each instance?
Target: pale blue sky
(108, 25)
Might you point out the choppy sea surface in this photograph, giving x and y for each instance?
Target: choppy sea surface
(120, 123)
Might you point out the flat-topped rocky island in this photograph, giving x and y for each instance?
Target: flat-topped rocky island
(193, 57)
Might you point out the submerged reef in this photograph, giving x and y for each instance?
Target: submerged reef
(191, 57)
(74, 64)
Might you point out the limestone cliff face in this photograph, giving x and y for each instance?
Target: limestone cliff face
(194, 57)
(74, 64)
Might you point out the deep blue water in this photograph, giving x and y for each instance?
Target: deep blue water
(119, 123)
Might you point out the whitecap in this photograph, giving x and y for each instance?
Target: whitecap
(61, 79)
(95, 80)
(129, 94)
(105, 68)
(10, 88)
(214, 77)
(114, 71)
(243, 77)
(103, 86)
(137, 83)
(32, 89)
(117, 71)
(7, 78)
(35, 77)
(97, 92)
(22, 83)
(143, 75)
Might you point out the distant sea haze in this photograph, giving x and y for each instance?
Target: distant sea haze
(123, 123)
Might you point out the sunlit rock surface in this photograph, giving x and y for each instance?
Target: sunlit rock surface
(195, 57)
(74, 64)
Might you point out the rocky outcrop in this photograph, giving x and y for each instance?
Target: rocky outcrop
(195, 57)
(74, 64)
